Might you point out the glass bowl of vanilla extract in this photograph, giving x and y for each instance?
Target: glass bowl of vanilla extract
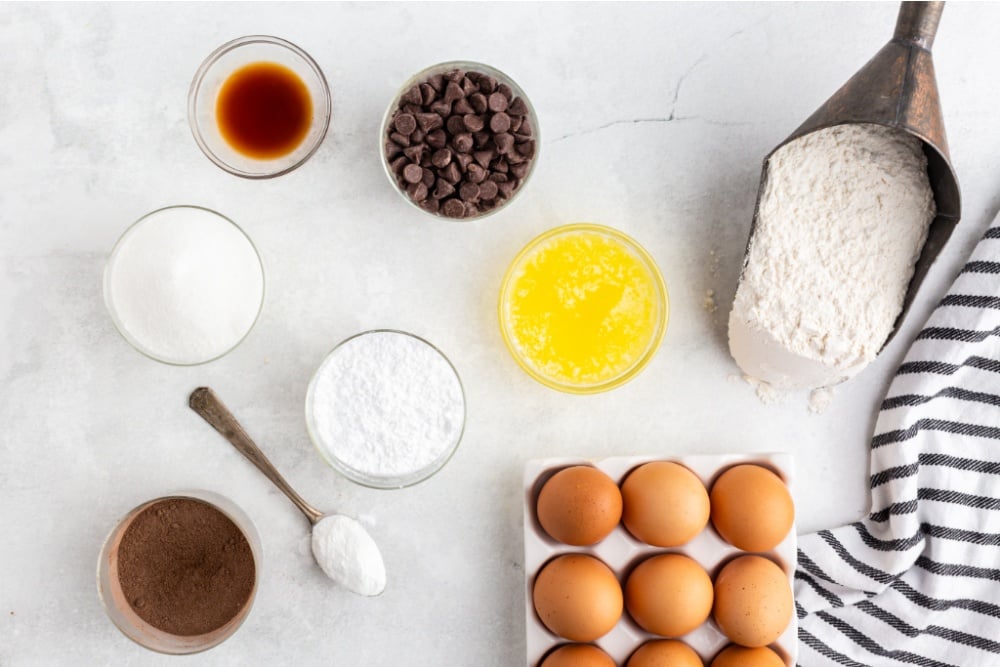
(259, 106)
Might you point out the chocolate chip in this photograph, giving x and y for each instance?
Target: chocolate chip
(463, 160)
(478, 102)
(487, 84)
(437, 139)
(473, 123)
(431, 205)
(462, 142)
(500, 122)
(454, 75)
(520, 170)
(497, 102)
(474, 77)
(476, 173)
(499, 178)
(503, 141)
(455, 125)
(500, 166)
(513, 157)
(413, 173)
(527, 149)
(481, 138)
(453, 208)
(443, 189)
(450, 173)
(428, 178)
(400, 139)
(436, 82)
(469, 192)
(488, 190)
(483, 158)
(515, 122)
(506, 188)
(413, 96)
(505, 90)
(517, 107)
(415, 153)
(462, 106)
(428, 93)
(412, 108)
(525, 128)
(392, 149)
(429, 121)
(417, 192)
(441, 157)
(469, 86)
(398, 164)
(453, 92)
(405, 123)
(441, 108)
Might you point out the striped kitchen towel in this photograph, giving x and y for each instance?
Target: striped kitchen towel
(918, 581)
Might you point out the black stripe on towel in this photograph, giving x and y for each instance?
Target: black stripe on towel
(820, 591)
(814, 569)
(948, 392)
(971, 301)
(982, 267)
(935, 459)
(873, 647)
(944, 425)
(957, 569)
(944, 368)
(992, 233)
(895, 509)
(881, 576)
(825, 651)
(937, 495)
(936, 604)
(963, 335)
(948, 634)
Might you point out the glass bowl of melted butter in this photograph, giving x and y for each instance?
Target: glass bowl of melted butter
(259, 107)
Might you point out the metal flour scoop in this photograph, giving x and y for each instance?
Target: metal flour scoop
(897, 88)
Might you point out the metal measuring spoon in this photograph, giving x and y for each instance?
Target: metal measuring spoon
(342, 547)
(896, 88)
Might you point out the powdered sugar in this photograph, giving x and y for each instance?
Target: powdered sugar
(842, 220)
(386, 406)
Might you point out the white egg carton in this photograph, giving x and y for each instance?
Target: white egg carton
(621, 552)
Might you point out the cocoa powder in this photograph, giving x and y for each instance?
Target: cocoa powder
(185, 567)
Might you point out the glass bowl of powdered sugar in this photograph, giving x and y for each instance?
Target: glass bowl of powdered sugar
(386, 409)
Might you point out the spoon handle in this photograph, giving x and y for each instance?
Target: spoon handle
(204, 401)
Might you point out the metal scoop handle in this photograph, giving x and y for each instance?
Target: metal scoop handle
(204, 401)
(917, 23)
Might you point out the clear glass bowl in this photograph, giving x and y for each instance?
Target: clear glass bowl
(360, 477)
(135, 628)
(109, 300)
(662, 304)
(204, 91)
(443, 68)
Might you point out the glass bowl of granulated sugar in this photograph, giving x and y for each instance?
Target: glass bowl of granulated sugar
(386, 409)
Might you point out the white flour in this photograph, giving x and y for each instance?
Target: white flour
(386, 405)
(185, 284)
(348, 554)
(842, 220)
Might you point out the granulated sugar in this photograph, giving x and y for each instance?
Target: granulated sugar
(184, 285)
(386, 405)
(842, 220)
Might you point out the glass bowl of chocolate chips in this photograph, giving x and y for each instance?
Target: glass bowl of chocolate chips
(459, 140)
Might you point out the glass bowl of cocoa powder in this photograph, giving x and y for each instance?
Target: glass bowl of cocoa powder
(459, 140)
(178, 574)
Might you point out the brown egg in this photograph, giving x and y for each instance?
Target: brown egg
(665, 504)
(743, 656)
(753, 601)
(752, 508)
(669, 595)
(577, 597)
(577, 655)
(579, 506)
(665, 653)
